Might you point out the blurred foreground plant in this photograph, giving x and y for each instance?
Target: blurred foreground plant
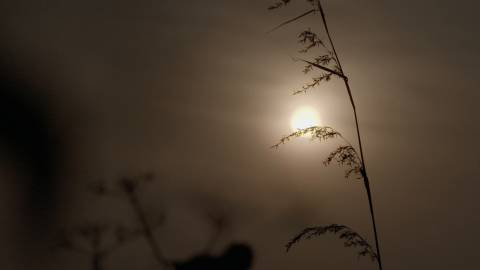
(128, 187)
(98, 240)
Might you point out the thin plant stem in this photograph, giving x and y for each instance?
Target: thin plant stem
(292, 20)
(97, 256)
(147, 230)
(364, 170)
(97, 259)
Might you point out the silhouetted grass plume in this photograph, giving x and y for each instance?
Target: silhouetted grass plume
(327, 64)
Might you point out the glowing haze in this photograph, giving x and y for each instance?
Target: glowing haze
(304, 117)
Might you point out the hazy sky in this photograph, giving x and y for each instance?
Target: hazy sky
(196, 92)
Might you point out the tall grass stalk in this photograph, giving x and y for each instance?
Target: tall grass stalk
(345, 155)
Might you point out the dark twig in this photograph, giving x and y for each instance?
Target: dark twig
(92, 236)
(322, 67)
(291, 20)
(130, 188)
(219, 223)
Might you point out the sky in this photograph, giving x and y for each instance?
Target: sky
(196, 92)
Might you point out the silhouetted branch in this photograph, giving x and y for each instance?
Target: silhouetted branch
(283, 3)
(346, 155)
(318, 65)
(349, 236)
(130, 187)
(279, 4)
(315, 82)
(122, 236)
(323, 60)
(219, 223)
(92, 235)
(291, 20)
(310, 40)
(316, 132)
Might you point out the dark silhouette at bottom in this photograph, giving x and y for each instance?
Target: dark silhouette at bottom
(236, 257)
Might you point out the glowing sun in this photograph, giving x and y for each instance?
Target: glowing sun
(304, 117)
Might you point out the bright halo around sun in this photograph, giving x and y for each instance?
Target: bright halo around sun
(304, 117)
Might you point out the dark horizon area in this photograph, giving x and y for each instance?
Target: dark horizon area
(194, 93)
